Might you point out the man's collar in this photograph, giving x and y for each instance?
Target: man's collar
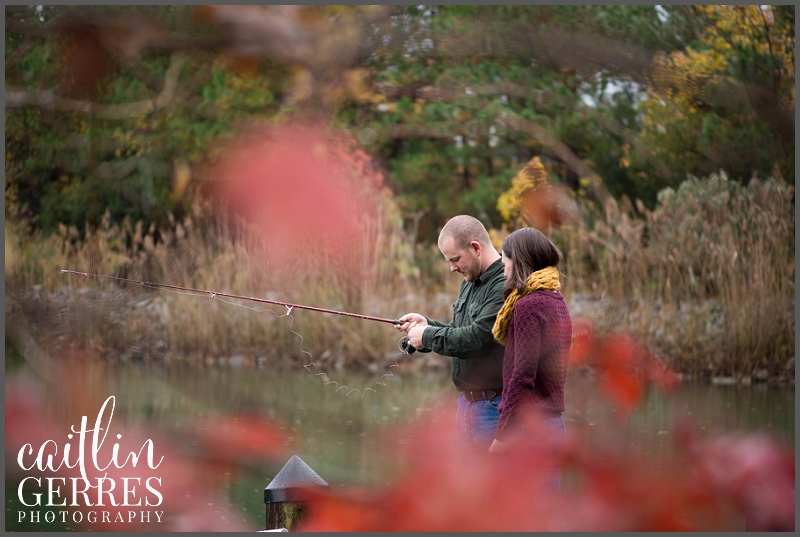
(490, 271)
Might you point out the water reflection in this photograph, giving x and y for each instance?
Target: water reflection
(707, 409)
(343, 438)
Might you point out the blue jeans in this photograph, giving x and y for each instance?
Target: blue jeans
(476, 423)
(555, 426)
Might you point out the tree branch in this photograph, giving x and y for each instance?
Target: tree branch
(116, 171)
(561, 150)
(514, 122)
(50, 101)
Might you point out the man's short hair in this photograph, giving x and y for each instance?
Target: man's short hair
(464, 229)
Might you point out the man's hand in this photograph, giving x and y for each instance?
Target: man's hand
(415, 335)
(410, 320)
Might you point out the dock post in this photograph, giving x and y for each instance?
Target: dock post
(284, 496)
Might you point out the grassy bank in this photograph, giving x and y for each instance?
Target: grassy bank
(213, 253)
(706, 280)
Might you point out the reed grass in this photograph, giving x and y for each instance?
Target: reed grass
(706, 278)
(212, 252)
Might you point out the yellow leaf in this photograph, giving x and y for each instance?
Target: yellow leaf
(180, 180)
(301, 87)
(354, 81)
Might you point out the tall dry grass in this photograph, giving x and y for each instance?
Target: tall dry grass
(212, 252)
(706, 278)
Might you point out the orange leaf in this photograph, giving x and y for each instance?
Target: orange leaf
(582, 342)
(618, 360)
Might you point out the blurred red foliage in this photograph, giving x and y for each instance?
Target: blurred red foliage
(93, 45)
(239, 438)
(189, 479)
(706, 484)
(85, 62)
(626, 367)
(753, 471)
(548, 205)
(305, 187)
(601, 490)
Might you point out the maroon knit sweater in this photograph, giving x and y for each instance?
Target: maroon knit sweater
(535, 361)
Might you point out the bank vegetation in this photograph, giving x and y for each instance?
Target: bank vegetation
(706, 280)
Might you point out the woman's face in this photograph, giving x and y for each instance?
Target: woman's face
(506, 265)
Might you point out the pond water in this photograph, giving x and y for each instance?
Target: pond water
(340, 436)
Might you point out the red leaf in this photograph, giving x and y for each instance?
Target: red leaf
(547, 205)
(301, 189)
(618, 357)
(582, 342)
(233, 438)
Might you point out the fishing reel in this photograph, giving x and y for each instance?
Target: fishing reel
(406, 346)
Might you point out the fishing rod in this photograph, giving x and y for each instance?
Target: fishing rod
(214, 294)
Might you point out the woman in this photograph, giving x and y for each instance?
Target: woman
(535, 326)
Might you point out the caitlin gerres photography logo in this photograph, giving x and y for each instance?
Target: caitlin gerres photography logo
(90, 475)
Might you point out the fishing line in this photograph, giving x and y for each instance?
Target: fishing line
(197, 293)
(313, 364)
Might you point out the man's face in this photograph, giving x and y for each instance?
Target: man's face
(466, 262)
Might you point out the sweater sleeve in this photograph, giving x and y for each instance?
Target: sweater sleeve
(524, 359)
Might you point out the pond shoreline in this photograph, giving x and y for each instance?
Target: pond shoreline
(100, 319)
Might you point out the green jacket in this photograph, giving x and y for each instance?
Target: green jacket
(477, 357)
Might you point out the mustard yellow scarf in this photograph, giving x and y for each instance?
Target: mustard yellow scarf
(547, 278)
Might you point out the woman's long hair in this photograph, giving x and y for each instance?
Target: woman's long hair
(529, 250)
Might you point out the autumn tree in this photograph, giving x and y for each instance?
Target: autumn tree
(726, 103)
(119, 107)
(466, 95)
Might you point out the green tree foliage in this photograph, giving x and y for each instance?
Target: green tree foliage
(725, 103)
(466, 95)
(117, 142)
(120, 107)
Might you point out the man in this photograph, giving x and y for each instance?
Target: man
(477, 367)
